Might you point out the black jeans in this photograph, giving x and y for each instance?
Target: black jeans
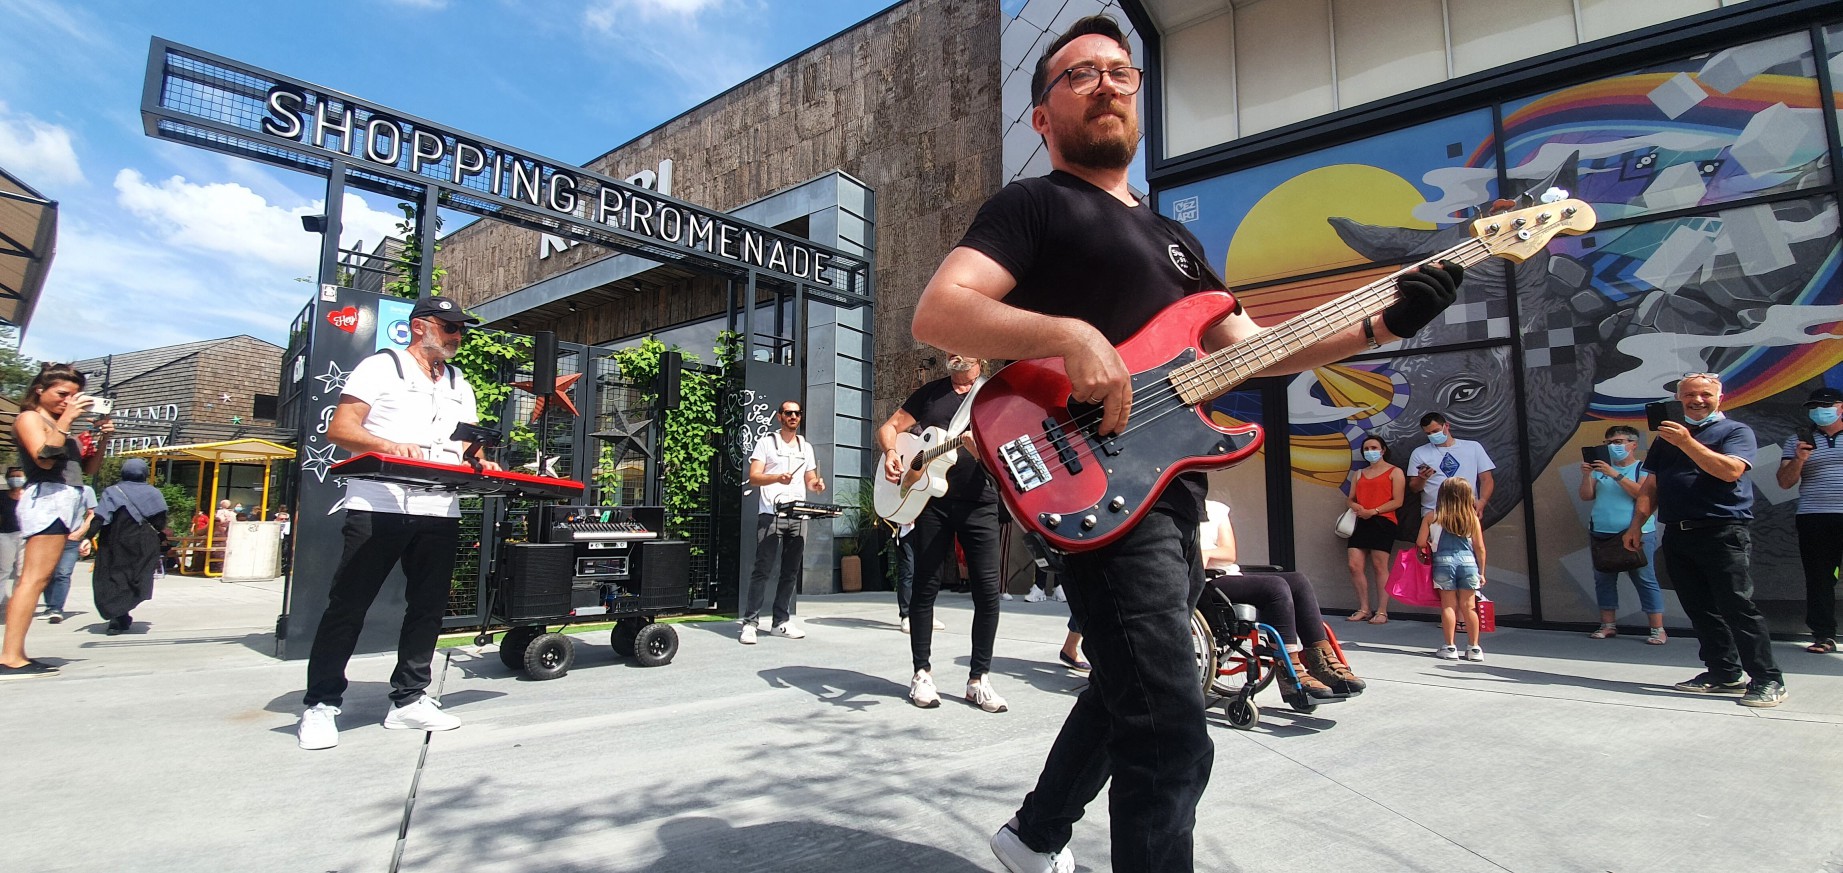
(1140, 720)
(772, 549)
(1711, 568)
(976, 525)
(1284, 600)
(1820, 548)
(905, 573)
(375, 542)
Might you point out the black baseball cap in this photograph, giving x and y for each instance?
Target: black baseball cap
(442, 308)
(1823, 397)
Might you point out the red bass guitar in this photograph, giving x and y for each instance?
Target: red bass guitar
(1080, 491)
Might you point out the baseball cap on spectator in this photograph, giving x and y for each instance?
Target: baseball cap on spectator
(442, 308)
(1823, 397)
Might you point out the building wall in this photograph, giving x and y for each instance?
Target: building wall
(907, 102)
(181, 400)
(240, 367)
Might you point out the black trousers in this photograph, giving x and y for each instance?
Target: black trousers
(374, 543)
(1711, 568)
(1140, 720)
(976, 526)
(1820, 549)
(1284, 600)
(773, 549)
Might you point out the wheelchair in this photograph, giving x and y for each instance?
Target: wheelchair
(1228, 640)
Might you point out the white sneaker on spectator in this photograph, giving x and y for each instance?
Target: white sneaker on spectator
(1474, 653)
(1036, 595)
(938, 625)
(979, 693)
(905, 624)
(422, 715)
(1004, 595)
(1019, 858)
(1447, 653)
(1061, 597)
(787, 629)
(319, 728)
(748, 634)
(921, 691)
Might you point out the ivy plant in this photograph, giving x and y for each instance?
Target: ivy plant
(690, 430)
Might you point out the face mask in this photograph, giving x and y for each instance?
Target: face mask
(1618, 451)
(1698, 422)
(15, 481)
(1824, 416)
(1438, 437)
(1372, 455)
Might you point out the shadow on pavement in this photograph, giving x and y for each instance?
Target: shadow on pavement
(847, 689)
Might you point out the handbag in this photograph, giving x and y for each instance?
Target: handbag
(1411, 581)
(1346, 524)
(1611, 556)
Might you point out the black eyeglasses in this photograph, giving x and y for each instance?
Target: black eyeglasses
(450, 328)
(1084, 79)
(792, 413)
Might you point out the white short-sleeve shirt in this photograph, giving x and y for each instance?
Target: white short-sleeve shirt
(779, 457)
(409, 408)
(1458, 457)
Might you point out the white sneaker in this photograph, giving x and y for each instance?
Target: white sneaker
(1035, 595)
(921, 691)
(319, 727)
(1019, 858)
(789, 631)
(1474, 653)
(423, 715)
(1447, 653)
(748, 634)
(938, 625)
(979, 693)
(1061, 597)
(905, 624)
(1004, 595)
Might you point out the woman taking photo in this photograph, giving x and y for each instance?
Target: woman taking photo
(1375, 494)
(51, 505)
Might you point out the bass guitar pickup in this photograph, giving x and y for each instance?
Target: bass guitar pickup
(1060, 442)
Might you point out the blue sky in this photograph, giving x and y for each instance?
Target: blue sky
(160, 243)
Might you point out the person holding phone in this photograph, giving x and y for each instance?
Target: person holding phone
(1812, 462)
(1610, 482)
(1700, 492)
(1444, 457)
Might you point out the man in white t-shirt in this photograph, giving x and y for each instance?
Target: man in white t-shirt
(783, 469)
(403, 403)
(1444, 457)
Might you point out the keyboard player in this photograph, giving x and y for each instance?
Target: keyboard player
(403, 403)
(783, 469)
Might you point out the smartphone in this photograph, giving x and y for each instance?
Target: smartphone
(1590, 454)
(100, 406)
(1662, 411)
(1807, 435)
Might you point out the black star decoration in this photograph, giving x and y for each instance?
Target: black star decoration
(626, 436)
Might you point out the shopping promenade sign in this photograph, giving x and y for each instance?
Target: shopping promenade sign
(211, 102)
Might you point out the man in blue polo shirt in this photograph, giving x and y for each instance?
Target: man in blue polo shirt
(1813, 462)
(1703, 499)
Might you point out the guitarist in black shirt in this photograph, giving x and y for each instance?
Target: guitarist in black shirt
(1067, 266)
(968, 511)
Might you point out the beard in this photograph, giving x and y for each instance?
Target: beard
(1084, 145)
(433, 345)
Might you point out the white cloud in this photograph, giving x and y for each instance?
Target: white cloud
(231, 219)
(610, 15)
(40, 154)
(707, 45)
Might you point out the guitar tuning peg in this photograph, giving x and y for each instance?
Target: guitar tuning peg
(1554, 195)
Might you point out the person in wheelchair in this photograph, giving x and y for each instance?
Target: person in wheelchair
(1284, 600)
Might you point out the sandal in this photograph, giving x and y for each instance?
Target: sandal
(1359, 615)
(1606, 631)
(1379, 618)
(1657, 637)
(1822, 647)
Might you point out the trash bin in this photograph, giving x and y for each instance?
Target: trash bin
(253, 550)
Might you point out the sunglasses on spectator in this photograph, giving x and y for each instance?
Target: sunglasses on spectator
(792, 413)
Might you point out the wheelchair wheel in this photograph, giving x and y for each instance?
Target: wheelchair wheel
(1203, 647)
(1242, 713)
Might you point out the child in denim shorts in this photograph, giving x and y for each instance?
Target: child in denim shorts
(1454, 536)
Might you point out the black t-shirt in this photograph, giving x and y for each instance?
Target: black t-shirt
(1077, 251)
(9, 514)
(933, 405)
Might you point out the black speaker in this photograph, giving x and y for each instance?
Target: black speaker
(536, 580)
(671, 369)
(663, 570)
(543, 362)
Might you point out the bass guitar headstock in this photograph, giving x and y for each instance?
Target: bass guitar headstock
(1519, 234)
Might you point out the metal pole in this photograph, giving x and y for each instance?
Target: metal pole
(217, 470)
(425, 243)
(335, 208)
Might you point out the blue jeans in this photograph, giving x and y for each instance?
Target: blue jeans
(58, 589)
(1650, 597)
(1140, 720)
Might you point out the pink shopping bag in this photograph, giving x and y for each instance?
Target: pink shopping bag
(1411, 581)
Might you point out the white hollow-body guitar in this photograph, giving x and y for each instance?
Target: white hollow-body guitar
(925, 462)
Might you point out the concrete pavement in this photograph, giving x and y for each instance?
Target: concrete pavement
(172, 749)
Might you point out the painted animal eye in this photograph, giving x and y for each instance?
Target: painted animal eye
(1462, 391)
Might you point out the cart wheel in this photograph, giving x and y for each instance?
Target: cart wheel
(622, 639)
(1242, 713)
(655, 645)
(1203, 648)
(483, 638)
(512, 646)
(549, 656)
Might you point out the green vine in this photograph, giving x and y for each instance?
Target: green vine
(691, 432)
(484, 355)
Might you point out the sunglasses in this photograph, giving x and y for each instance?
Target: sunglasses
(791, 413)
(450, 328)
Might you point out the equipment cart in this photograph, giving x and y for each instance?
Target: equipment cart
(588, 562)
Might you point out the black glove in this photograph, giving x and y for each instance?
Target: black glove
(1424, 294)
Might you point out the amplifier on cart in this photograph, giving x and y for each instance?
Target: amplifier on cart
(599, 524)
